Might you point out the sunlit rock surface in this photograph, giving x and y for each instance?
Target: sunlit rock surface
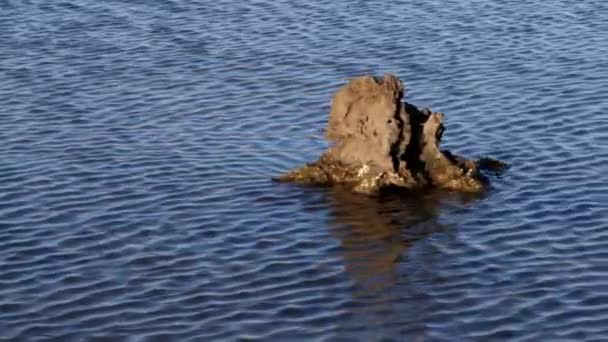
(379, 141)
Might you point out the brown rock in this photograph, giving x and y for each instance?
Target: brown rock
(444, 169)
(366, 123)
(379, 142)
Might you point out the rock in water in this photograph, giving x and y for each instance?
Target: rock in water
(366, 123)
(444, 169)
(380, 141)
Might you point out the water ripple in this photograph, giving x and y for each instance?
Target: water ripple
(139, 139)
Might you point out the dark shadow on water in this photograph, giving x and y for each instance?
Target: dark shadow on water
(380, 243)
(375, 232)
(375, 236)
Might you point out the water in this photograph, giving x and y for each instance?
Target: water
(138, 140)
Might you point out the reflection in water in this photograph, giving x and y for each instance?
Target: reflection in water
(374, 234)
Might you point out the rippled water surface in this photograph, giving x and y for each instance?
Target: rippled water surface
(138, 139)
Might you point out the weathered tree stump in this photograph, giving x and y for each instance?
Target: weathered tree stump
(381, 142)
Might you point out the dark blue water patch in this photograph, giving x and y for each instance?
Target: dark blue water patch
(139, 140)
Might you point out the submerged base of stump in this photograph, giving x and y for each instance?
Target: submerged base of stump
(381, 142)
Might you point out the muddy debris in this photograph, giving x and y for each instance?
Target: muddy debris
(381, 142)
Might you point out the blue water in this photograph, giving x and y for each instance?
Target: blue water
(138, 139)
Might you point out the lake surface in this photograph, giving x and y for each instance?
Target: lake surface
(138, 140)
